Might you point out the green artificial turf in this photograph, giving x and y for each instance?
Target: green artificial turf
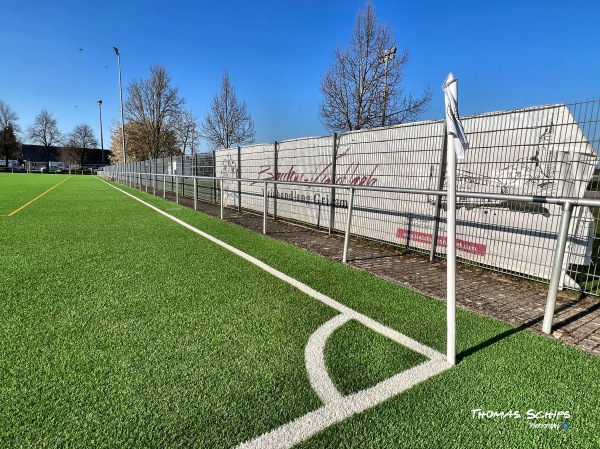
(120, 328)
(17, 189)
(358, 357)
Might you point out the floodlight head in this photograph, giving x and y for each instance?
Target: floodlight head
(99, 102)
(388, 55)
(116, 50)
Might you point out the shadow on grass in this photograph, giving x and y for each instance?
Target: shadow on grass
(529, 324)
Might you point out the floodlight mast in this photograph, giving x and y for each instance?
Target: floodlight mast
(101, 134)
(385, 58)
(121, 96)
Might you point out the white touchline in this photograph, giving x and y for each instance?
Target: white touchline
(336, 407)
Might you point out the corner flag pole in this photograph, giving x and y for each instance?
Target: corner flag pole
(456, 141)
(451, 258)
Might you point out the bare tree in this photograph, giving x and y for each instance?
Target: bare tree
(44, 131)
(80, 141)
(138, 142)
(362, 88)
(187, 133)
(228, 123)
(9, 128)
(116, 148)
(156, 108)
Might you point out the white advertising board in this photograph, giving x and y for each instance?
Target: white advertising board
(537, 151)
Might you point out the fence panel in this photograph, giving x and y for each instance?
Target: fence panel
(255, 160)
(406, 156)
(303, 160)
(586, 273)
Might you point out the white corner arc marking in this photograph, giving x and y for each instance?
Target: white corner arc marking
(314, 357)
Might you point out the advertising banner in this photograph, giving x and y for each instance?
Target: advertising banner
(535, 151)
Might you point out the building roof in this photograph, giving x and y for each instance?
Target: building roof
(38, 153)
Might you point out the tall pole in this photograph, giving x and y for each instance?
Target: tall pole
(101, 134)
(121, 95)
(386, 57)
(451, 256)
(456, 143)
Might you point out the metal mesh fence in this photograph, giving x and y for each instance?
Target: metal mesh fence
(304, 160)
(546, 151)
(586, 273)
(536, 151)
(407, 156)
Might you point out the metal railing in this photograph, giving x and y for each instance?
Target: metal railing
(562, 237)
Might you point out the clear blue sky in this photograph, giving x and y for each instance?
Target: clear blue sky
(506, 54)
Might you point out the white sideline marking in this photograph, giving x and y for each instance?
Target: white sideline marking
(336, 407)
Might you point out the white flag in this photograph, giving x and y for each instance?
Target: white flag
(453, 124)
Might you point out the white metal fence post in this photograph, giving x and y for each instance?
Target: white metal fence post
(214, 173)
(239, 175)
(265, 207)
(348, 226)
(222, 199)
(559, 254)
(275, 169)
(176, 189)
(333, 170)
(195, 193)
(438, 198)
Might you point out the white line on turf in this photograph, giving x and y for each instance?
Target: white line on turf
(314, 357)
(306, 426)
(337, 407)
